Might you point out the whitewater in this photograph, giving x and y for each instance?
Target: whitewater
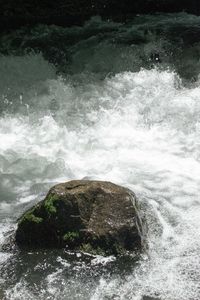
(137, 129)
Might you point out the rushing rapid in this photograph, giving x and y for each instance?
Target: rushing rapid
(138, 129)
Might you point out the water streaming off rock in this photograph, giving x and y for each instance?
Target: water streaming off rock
(139, 129)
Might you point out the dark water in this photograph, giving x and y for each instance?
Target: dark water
(108, 101)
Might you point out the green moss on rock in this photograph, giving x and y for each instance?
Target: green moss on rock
(71, 236)
(49, 204)
(30, 217)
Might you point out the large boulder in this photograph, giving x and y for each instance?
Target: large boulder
(92, 216)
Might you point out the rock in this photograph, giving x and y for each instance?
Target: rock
(93, 216)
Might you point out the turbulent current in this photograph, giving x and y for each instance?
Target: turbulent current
(138, 128)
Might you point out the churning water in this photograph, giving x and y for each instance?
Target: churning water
(140, 129)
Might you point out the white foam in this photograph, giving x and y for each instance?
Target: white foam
(135, 129)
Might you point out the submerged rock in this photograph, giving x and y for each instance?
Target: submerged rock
(92, 216)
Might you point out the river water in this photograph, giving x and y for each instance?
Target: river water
(122, 111)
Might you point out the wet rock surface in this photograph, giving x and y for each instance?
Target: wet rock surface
(92, 216)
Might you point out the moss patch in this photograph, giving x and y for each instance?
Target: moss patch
(71, 236)
(50, 204)
(30, 217)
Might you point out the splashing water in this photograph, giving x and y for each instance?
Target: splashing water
(137, 129)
